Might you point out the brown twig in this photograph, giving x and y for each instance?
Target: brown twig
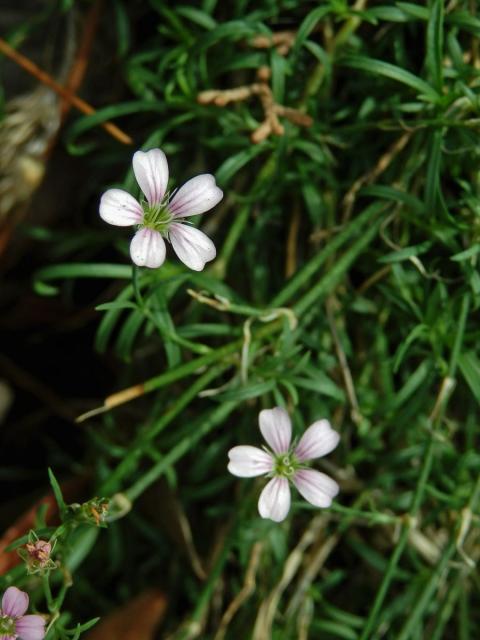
(268, 608)
(244, 593)
(283, 41)
(79, 67)
(114, 400)
(272, 110)
(291, 262)
(64, 93)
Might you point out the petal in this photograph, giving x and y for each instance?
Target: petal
(30, 628)
(191, 245)
(14, 602)
(247, 462)
(120, 208)
(318, 440)
(151, 171)
(274, 501)
(196, 196)
(317, 488)
(147, 248)
(276, 428)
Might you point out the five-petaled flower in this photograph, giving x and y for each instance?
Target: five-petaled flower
(14, 624)
(286, 463)
(163, 215)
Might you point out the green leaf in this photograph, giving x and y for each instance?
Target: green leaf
(395, 195)
(307, 26)
(432, 183)
(467, 254)
(117, 304)
(414, 10)
(128, 333)
(232, 165)
(250, 390)
(406, 253)
(434, 54)
(57, 492)
(109, 320)
(197, 16)
(321, 384)
(233, 30)
(387, 70)
(469, 365)
(84, 270)
(388, 14)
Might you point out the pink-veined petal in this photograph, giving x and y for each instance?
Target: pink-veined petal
(151, 171)
(318, 440)
(276, 428)
(30, 628)
(196, 196)
(316, 487)
(147, 248)
(274, 501)
(191, 245)
(247, 461)
(14, 602)
(119, 208)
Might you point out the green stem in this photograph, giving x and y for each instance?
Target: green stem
(371, 516)
(48, 594)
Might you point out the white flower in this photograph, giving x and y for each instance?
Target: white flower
(162, 216)
(284, 463)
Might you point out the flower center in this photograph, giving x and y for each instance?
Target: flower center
(7, 626)
(157, 217)
(285, 465)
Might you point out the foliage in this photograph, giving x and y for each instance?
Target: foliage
(346, 286)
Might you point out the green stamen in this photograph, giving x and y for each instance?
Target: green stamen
(7, 626)
(285, 465)
(157, 217)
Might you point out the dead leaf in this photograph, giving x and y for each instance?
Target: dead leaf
(135, 620)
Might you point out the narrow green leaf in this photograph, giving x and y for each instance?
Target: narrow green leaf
(308, 25)
(395, 195)
(469, 365)
(232, 165)
(432, 183)
(197, 16)
(381, 68)
(406, 253)
(57, 492)
(467, 254)
(434, 54)
(253, 390)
